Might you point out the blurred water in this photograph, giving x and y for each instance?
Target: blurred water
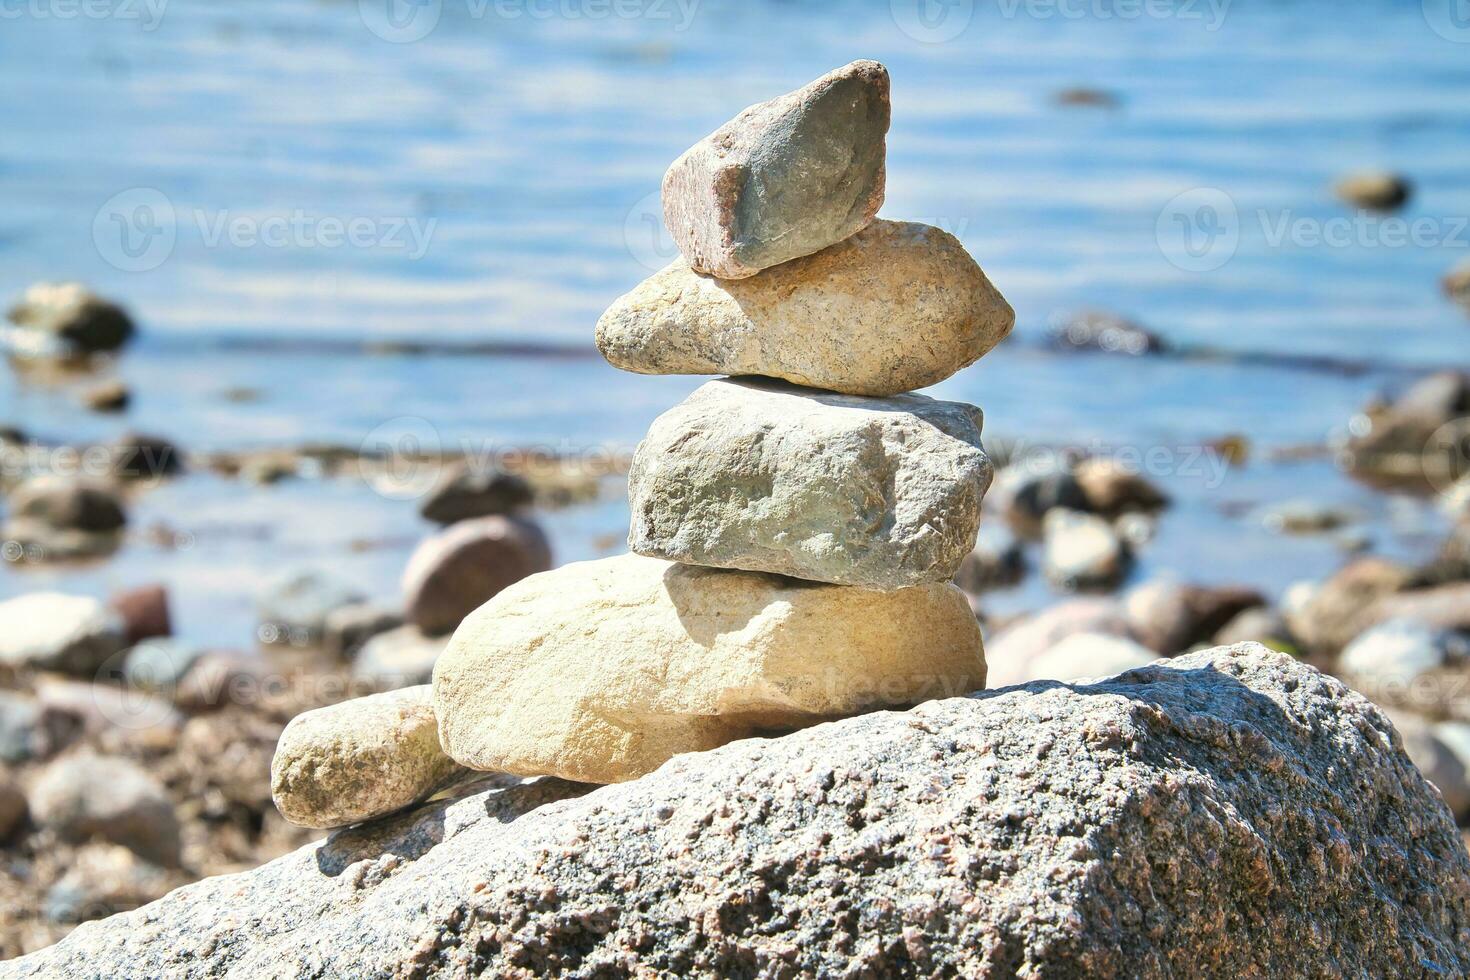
(502, 173)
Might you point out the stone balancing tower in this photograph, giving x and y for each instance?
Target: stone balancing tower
(795, 526)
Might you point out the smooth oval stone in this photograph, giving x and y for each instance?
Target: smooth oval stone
(359, 759)
(454, 571)
(897, 306)
(785, 178)
(763, 476)
(601, 671)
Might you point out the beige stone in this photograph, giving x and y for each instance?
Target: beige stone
(896, 307)
(601, 671)
(359, 759)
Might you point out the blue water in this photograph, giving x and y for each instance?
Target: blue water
(503, 169)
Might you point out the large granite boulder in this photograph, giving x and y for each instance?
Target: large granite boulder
(1228, 813)
(765, 476)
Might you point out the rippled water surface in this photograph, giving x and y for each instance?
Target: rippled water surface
(502, 175)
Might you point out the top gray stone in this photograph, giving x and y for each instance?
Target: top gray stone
(1232, 813)
(785, 178)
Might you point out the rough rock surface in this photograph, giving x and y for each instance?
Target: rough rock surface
(785, 178)
(603, 670)
(454, 571)
(763, 476)
(1229, 813)
(359, 759)
(54, 631)
(896, 307)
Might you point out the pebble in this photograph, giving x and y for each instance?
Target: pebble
(102, 880)
(144, 611)
(1170, 617)
(843, 319)
(360, 759)
(467, 492)
(139, 457)
(1375, 190)
(1457, 283)
(23, 735)
(68, 504)
(293, 609)
(601, 671)
(1027, 490)
(108, 797)
(1082, 552)
(1261, 624)
(455, 571)
(1384, 661)
(347, 628)
(1435, 759)
(1107, 333)
(159, 664)
(108, 396)
(763, 476)
(401, 657)
(13, 807)
(53, 631)
(785, 178)
(998, 561)
(1026, 639)
(1080, 656)
(1305, 517)
(1111, 488)
(73, 314)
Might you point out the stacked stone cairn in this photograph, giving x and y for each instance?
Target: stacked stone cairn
(795, 526)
